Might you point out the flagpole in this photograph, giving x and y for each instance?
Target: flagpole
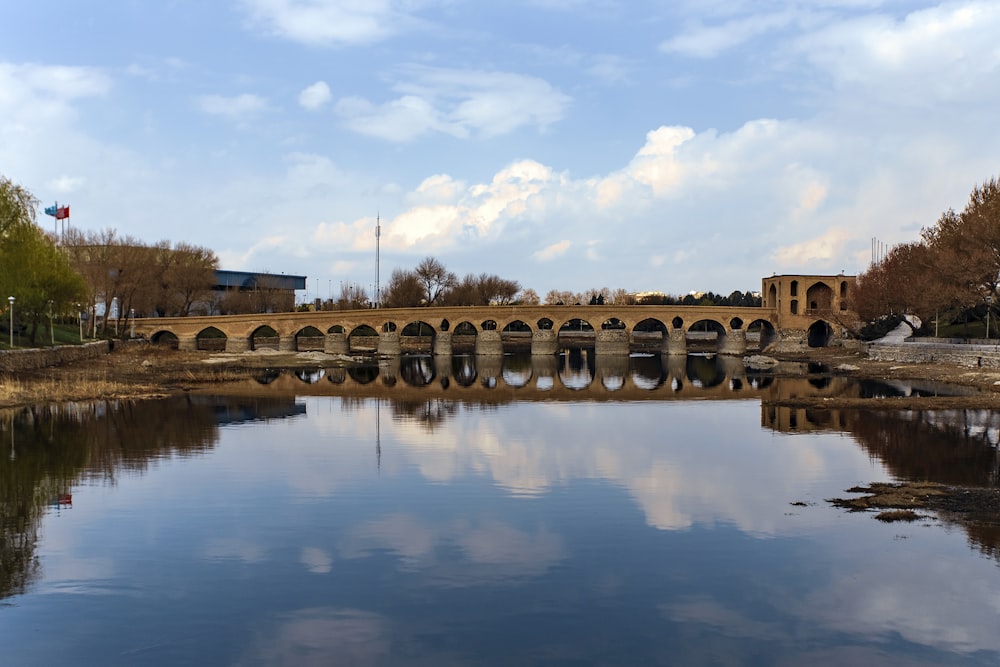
(378, 234)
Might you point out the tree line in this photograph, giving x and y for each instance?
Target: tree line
(111, 276)
(84, 272)
(950, 274)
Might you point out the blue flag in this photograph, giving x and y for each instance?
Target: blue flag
(50, 210)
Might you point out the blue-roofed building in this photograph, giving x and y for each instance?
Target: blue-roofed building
(254, 292)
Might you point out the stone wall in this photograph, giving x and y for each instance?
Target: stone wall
(971, 356)
(24, 360)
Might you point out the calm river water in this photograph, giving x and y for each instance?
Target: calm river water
(572, 511)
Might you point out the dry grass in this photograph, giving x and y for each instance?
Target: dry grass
(68, 387)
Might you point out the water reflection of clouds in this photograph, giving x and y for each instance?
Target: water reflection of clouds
(682, 462)
(492, 550)
(884, 598)
(317, 560)
(309, 637)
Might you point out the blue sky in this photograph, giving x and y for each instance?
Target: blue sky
(567, 144)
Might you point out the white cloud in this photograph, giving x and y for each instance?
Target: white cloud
(315, 96)
(328, 22)
(235, 107)
(37, 93)
(551, 252)
(709, 41)
(67, 184)
(932, 55)
(818, 251)
(459, 103)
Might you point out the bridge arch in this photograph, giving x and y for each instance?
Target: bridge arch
(165, 338)
(363, 374)
(418, 371)
(310, 375)
(362, 338)
(263, 337)
(211, 339)
(704, 371)
(516, 372)
(419, 336)
(309, 338)
(763, 332)
(820, 334)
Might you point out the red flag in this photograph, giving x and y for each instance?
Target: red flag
(62, 212)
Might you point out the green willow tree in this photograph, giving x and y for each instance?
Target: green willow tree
(33, 269)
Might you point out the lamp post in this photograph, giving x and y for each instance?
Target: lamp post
(989, 307)
(52, 334)
(131, 313)
(79, 319)
(10, 300)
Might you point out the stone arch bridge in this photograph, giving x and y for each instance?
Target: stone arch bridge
(609, 328)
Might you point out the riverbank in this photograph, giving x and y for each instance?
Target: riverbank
(141, 372)
(147, 371)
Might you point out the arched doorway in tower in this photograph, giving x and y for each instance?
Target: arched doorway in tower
(819, 298)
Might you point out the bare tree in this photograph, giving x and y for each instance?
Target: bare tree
(435, 279)
(403, 291)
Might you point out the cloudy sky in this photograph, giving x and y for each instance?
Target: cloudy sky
(670, 145)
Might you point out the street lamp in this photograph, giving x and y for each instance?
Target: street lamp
(989, 307)
(131, 313)
(79, 319)
(10, 300)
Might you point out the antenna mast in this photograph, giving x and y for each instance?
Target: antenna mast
(378, 233)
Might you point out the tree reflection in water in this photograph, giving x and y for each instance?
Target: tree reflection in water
(54, 448)
(50, 450)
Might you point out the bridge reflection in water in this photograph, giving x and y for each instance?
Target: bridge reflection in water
(575, 374)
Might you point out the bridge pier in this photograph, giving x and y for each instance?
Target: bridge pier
(388, 344)
(789, 340)
(388, 370)
(611, 341)
(545, 369)
(544, 341)
(335, 343)
(488, 343)
(734, 342)
(235, 344)
(675, 343)
(286, 343)
(676, 367)
(187, 343)
(611, 367)
(489, 369)
(442, 344)
(442, 367)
